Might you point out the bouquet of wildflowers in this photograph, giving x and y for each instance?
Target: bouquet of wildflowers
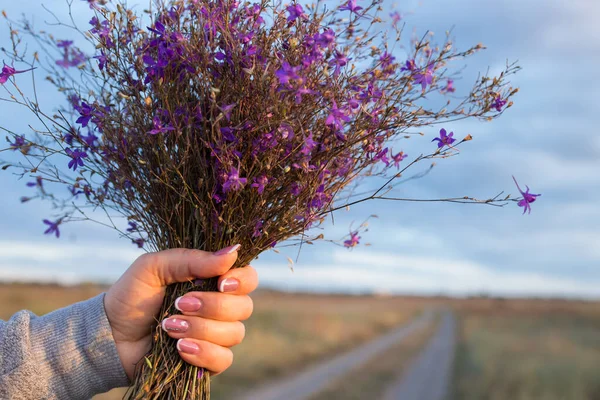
(205, 123)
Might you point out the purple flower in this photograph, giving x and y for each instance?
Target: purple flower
(302, 91)
(159, 127)
(260, 183)
(309, 145)
(296, 11)
(286, 131)
(396, 17)
(340, 60)
(90, 139)
(336, 117)
(102, 29)
(321, 199)
(234, 182)
(226, 110)
(498, 103)
(386, 59)
(410, 65)
(77, 157)
(132, 227)
(449, 87)
(102, 59)
(424, 78)
(286, 73)
(254, 13)
(326, 39)
(444, 139)
(65, 44)
(52, 227)
(382, 156)
(528, 198)
(93, 4)
(257, 229)
(295, 189)
(87, 112)
(7, 72)
(228, 133)
(353, 241)
(74, 191)
(37, 183)
(351, 6)
(139, 242)
(18, 144)
(398, 158)
(72, 57)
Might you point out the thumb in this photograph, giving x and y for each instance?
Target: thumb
(179, 265)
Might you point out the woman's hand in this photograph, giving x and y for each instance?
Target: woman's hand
(209, 323)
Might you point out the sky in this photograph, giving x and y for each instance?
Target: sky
(548, 140)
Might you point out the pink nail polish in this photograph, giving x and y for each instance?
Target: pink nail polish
(229, 285)
(175, 325)
(228, 250)
(187, 346)
(188, 304)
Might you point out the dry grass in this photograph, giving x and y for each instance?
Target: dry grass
(526, 350)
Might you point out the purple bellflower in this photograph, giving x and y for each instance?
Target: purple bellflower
(234, 182)
(77, 157)
(353, 241)
(444, 139)
(18, 143)
(52, 228)
(296, 11)
(424, 78)
(398, 158)
(351, 6)
(528, 198)
(396, 17)
(8, 71)
(159, 127)
(498, 103)
(449, 87)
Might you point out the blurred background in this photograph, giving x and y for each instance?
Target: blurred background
(523, 289)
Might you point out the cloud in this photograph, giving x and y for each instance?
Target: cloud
(396, 273)
(63, 262)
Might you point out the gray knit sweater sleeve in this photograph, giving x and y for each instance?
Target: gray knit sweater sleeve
(67, 354)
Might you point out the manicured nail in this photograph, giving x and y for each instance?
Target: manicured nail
(229, 285)
(188, 304)
(186, 346)
(175, 325)
(228, 250)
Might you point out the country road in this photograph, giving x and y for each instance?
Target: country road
(315, 379)
(429, 376)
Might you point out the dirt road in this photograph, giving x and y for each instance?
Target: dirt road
(313, 380)
(428, 377)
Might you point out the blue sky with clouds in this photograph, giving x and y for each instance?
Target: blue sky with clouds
(548, 140)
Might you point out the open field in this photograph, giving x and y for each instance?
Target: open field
(508, 349)
(524, 350)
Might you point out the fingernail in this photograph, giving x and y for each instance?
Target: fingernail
(188, 304)
(175, 325)
(186, 346)
(229, 285)
(228, 250)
